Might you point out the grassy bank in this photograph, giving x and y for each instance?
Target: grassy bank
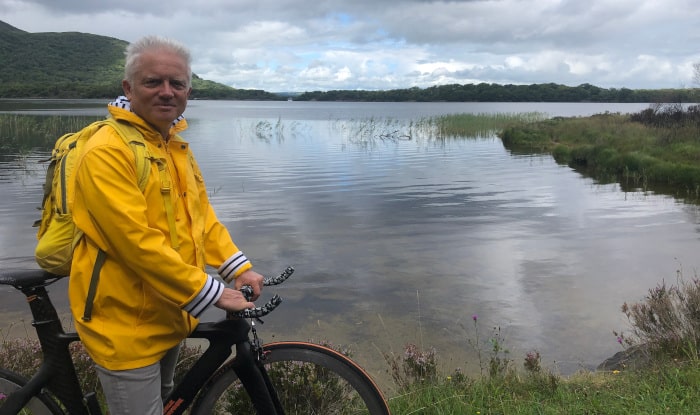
(668, 389)
(656, 149)
(664, 330)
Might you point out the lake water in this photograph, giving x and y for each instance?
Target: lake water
(401, 241)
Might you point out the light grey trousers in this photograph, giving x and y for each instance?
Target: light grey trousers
(139, 391)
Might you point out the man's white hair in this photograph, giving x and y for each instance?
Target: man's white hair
(154, 43)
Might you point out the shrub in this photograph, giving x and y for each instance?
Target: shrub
(415, 366)
(667, 321)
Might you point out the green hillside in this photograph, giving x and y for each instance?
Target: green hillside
(79, 65)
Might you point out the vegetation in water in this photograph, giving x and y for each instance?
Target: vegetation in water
(656, 149)
(23, 132)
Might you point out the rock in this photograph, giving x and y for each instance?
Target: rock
(635, 357)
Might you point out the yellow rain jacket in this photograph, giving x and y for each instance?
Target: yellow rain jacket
(149, 295)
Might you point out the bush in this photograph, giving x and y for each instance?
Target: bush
(668, 115)
(415, 366)
(667, 321)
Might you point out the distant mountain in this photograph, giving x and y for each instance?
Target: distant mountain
(80, 65)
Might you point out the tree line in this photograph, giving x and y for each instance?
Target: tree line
(485, 92)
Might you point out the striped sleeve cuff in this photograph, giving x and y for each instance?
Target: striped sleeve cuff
(234, 266)
(209, 294)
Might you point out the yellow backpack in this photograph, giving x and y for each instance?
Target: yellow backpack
(57, 233)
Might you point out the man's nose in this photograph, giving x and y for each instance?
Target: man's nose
(167, 89)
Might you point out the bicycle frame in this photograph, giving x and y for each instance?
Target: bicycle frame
(222, 335)
(57, 372)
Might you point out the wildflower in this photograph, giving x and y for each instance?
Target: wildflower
(619, 339)
(615, 372)
(475, 317)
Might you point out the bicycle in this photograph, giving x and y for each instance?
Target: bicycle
(277, 378)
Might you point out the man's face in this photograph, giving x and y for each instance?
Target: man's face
(160, 88)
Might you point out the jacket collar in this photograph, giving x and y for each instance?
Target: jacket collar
(120, 109)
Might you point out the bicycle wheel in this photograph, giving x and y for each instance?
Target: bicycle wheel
(309, 379)
(41, 404)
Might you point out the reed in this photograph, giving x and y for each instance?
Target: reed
(480, 125)
(641, 155)
(19, 132)
(373, 130)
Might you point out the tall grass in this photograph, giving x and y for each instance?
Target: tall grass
(373, 130)
(23, 132)
(648, 150)
(480, 125)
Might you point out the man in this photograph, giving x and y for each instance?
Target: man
(155, 243)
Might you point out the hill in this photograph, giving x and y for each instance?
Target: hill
(79, 65)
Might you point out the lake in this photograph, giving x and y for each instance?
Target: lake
(400, 241)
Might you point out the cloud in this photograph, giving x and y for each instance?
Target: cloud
(300, 45)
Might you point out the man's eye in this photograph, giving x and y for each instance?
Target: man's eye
(179, 85)
(150, 83)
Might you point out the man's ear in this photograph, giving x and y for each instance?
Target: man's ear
(126, 86)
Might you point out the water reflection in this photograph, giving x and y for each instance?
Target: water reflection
(398, 241)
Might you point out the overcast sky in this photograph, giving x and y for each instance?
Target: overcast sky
(308, 45)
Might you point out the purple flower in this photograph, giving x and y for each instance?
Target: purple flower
(619, 339)
(475, 317)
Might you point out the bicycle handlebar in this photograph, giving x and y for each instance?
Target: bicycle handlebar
(267, 308)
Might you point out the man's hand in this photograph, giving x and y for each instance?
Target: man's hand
(253, 279)
(233, 300)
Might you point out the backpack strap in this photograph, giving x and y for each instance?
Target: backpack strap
(94, 279)
(165, 187)
(138, 146)
(143, 168)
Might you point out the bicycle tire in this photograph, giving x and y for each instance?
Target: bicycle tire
(41, 404)
(335, 384)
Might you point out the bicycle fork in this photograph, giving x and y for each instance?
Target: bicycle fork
(250, 368)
